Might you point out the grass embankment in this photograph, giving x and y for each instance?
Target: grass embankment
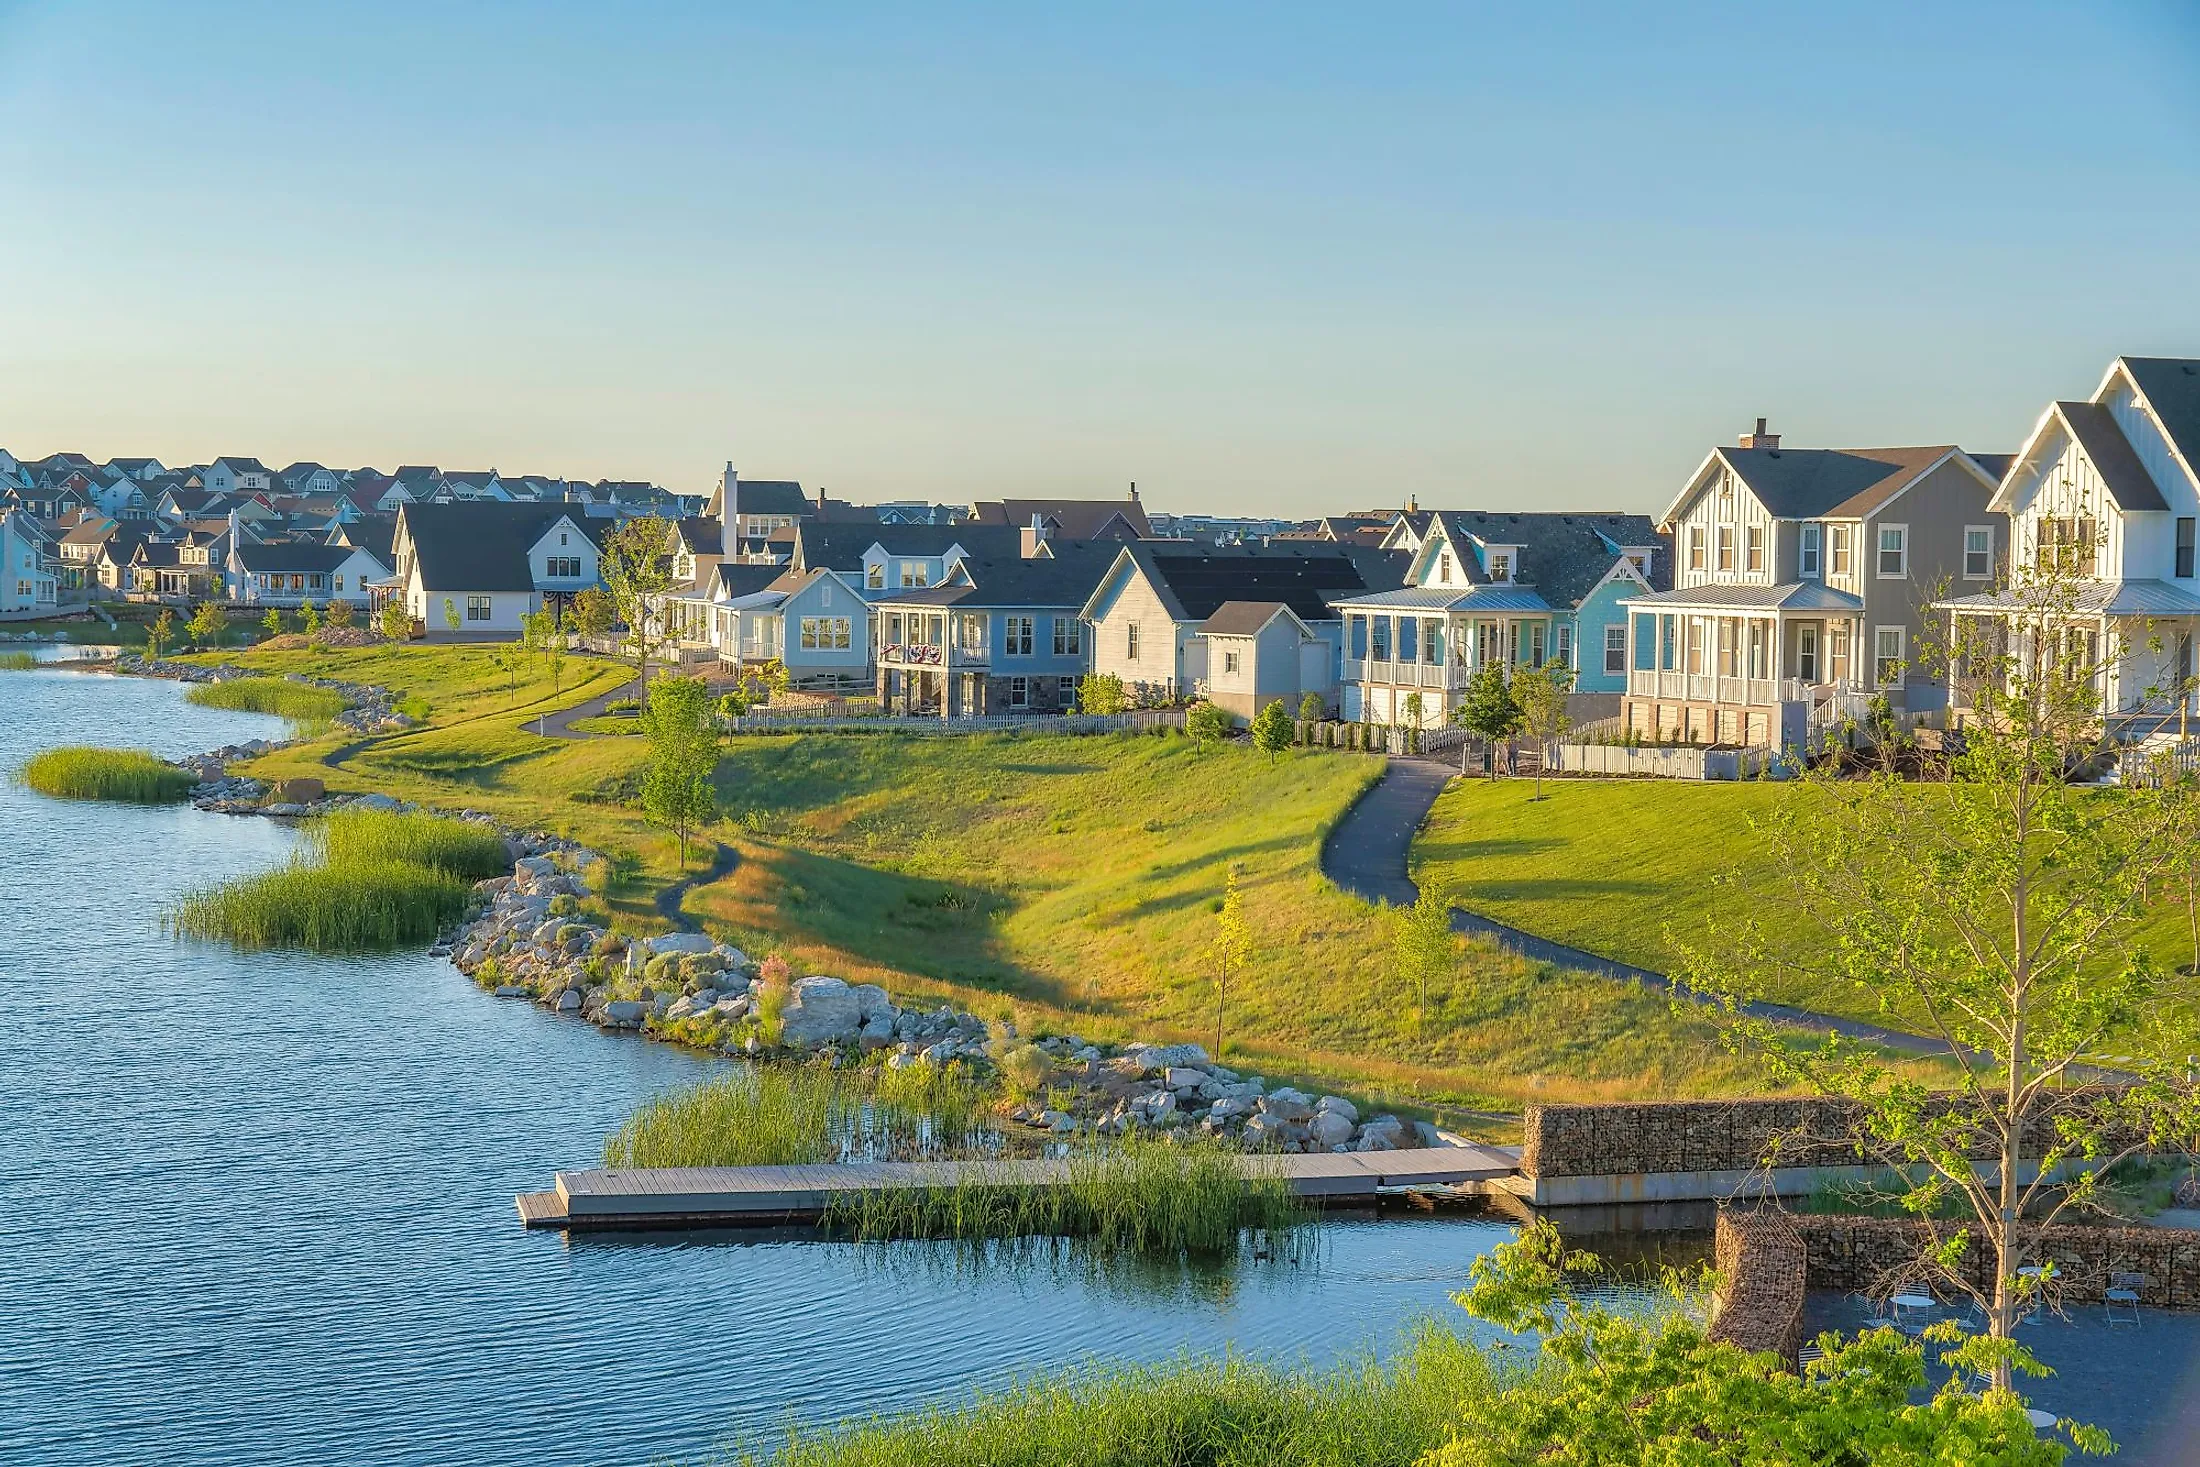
(131, 776)
(1203, 1413)
(298, 702)
(1629, 869)
(1072, 882)
(781, 1115)
(371, 880)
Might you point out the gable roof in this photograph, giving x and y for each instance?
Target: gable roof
(293, 555)
(1067, 577)
(1829, 483)
(480, 544)
(1563, 555)
(771, 496)
(1303, 575)
(840, 545)
(1243, 618)
(735, 578)
(2095, 430)
(2171, 386)
(697, 535)
(1073, 519)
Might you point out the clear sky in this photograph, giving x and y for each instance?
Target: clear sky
(1262, 259)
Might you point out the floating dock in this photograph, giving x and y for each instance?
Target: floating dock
(738, 1196)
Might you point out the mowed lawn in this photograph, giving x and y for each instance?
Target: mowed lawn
(1068, 882)
(1632, 869)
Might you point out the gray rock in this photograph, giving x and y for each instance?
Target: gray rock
(1163, 1056)
(1287, 1105)
(1330, 1128)
(1183, 1077)
(568, 1001)
(681, 942)
(1230, 1108)
(821, 1011)
(1427, 1134)
(283, 808)
(375, 802)
(1340, 1106)
(625, 1013)
(1262, 1129)
(513, 990)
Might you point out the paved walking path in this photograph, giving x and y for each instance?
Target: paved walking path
(1367, 853)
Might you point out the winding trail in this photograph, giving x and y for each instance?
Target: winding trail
(1366, 854)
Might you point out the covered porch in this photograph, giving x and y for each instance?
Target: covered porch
(1741, 665)
(2136, 642)
(1425, 646)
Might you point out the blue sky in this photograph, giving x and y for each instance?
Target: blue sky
(1260, 259)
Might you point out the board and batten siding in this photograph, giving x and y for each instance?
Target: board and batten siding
(2150, 547)
(1162, 659)
(2068, 486)
(1707, 511)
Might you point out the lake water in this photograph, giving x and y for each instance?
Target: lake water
(258, 1208)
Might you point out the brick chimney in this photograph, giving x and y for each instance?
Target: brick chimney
(1760, 438)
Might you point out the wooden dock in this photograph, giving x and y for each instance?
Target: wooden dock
(737, 1196)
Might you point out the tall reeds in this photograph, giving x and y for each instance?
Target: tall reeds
(18, 661)
(298, 702)
(456, 847)
(778, 1115)
(129, 775)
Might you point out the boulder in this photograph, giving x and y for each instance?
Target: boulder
(1183, 1077)
(1384, 1133)
(1262, 1129)
(1287, 1105)
(304, 789)
(1329, 1128)
(682, 942)
(1163, 1056)
(625, 1013)
(568, 1001)
(1427, 1134)
(821, 1011)
(376, 802)
(1340, 1106)
(283, 808)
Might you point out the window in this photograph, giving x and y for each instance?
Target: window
(1443, 569)
(1356, 630)
(1229, 662)
(297, 583)
(1838, 640)
(1019, 692)
(1728, 666)
(1806, 551)
(874, 575)
(825, 633)
(1726, 547)
(2184, 549)
(1130, 642)
(1695, 647)
(1016, 635)
(1695, 547)
(970, 631)
(1806, 653)
(1887, 656)
(477, 608)
(1538, 645)
(562, 567)
(1894, 551)
(1069, 636)
(1978, 552)
(2066, 545)
(1615, 649)
(1432, 644)
(1379, 638)
(1668, 643)
(1066, 693)
(1756, 547)
(1758, 650)
(1409, 649)
(1837, 545)
(915, 573)
(1501, 566)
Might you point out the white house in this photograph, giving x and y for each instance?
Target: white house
(292, 572)
(237, 476)
(472, 569)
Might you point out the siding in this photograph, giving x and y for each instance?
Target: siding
(1161, 655)
(1704, 511)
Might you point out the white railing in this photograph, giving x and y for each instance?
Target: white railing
(1405, 674)
(1713, 687)
(790, 721)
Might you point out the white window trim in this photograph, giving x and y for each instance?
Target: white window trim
(1901, 655)
(1619, 648)
(1879, 569)
(1810, 552)
(1988, 573)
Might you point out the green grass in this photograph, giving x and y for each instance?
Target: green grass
(297, 702)
(18, 661)
(1187, 1413)
(360, 906)
(458, 848)
(785, 1115)
(1150, 1198)
(128, 775)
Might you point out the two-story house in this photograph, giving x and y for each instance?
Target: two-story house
(755, 513)
(999, 634)
(1802, 577)
(27, 583)
(1509, 589)
(473, 568)
(815, 623)
(2104, 511)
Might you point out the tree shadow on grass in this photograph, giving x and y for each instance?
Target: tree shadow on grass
(1490, 848)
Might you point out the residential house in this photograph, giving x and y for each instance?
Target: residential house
(1148, 612)
(471, 569)
(896, 557)
(293, 572)
(1510, 589)
(1801, 582)
(1070, 519)
(28, 587)
(815, 623)
(237, 476)
(314, 479)
(750, 510)
(1001, 633)
(2104, 505)
(184, 567)
(1261, 652)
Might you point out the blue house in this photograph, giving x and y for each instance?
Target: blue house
(997, 634)
(1516, 589)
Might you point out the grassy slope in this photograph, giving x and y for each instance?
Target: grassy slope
(1625, 868)
(1071, 881)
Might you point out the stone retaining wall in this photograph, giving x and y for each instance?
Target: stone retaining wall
(1760, 1259)
(1867, 1254)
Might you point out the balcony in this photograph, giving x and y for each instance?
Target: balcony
(1406, 674)
(922, 654)
(1749, 692)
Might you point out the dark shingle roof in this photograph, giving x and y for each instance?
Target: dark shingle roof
(1805, 483)
(1066, 578)
(1072, 519)
(292, 555)
(698, 536)
(1241, 618)
(838, 545)
(1562, 555)
(2129, 483)
(480, 545)
(1304, 575)
(736, 579)
(2172, 387)
(771, 496)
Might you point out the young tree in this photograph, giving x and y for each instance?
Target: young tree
(450, 615)
(1272, 730)
(272, 622)
(1233, 949)
(1422, 944)
(338, 615)
(1998, 910)
(637, 569)
(1102, 692)
(159, 633)
(557, 641)
(1312, 709)
(677, 792)
(207, 624)
(594, 613)
(309, 618)
(1540, 695)
(395, 621)
(1206, 724)
(1488, 708)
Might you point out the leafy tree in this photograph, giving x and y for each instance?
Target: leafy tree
(309, 618)
(1206, 724)
(450, 615)
(1998, 910)
(1540, 694)
(558, 641)
(593, 612)
(394, 620)
(677, 793)
(638, 572)
(207, 624)
(1272, 730)
(272, 623)
(1312, 709)
(339, 614)
(1233, 948)
(1102, 692)
(1488, 708)
(1422, 943)
(1653, 1390)
(160, 632)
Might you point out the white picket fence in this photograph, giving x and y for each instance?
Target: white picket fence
(1142, 720)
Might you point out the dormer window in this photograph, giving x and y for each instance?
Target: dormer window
(1501, 565)
(874, 575)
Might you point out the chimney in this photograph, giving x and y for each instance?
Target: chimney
(1035, 534)
(1134, 491)
(1760, 438)
(821, 501)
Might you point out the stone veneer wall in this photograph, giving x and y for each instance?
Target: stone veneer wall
(1760, 1258)
(1865, 1253)
(1693, 1136)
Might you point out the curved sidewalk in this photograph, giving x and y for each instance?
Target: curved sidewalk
(1367, 852)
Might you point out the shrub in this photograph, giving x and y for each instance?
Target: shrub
(128, 775)
(298, 702)
(1025, 1069)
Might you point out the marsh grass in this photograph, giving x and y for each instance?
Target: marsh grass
(457, 847)
(1148, 1198)
(297, 702)
(1186, 1413)
(18, 661)
(129, 775)
(780, 1115)
(359, 906)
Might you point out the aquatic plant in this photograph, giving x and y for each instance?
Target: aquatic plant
(298, 702)
(781, 1115)
(458, 847)
(129, 775)
(355, 906)
(18, 661)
